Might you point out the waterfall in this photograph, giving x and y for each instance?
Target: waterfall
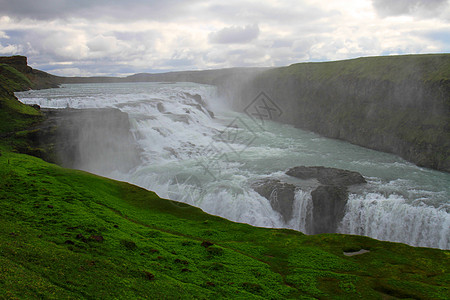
(390, 218)
(302, 214)
(209, 160)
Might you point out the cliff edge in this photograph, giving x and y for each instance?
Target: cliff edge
(37, 78)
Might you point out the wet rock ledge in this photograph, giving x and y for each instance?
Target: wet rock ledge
(329, 193)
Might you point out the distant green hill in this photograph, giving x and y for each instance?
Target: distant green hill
(67, 234)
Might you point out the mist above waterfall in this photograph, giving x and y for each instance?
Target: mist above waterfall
(95, 140)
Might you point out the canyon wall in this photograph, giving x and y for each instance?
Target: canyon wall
(395, 104)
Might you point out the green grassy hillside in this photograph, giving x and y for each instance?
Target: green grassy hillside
(70, 234)
(425, 67)
(12, 79)
(67, 234)
(13, 114)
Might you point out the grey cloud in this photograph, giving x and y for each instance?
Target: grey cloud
(282, 43)
(96, 37)
(101, 43)
(115, 9)
(91, 68)
(247, 55)
(141, 36)
(235, 35)
(281, 13)
(424, 8)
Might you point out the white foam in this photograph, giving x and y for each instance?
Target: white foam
(391, 218)
(302, 214)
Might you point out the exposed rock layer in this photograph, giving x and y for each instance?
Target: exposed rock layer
(280, 194)
(328, 208)
(327, 176)
(39, 79)
(88, 139)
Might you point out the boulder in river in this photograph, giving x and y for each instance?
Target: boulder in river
(330, 197)
(328, 208)
(280, 194)
(327, 176)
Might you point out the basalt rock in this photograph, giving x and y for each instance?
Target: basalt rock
(39, 79)
(17, 61)
(327, 176)
(328, 208)
(329, 195)
(395, 104)
(280, 194)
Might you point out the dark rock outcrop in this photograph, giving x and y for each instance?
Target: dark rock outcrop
(330, 197)
(328, 208)
(329, 193)
(280, 194)
(327, 176)
(17, 61)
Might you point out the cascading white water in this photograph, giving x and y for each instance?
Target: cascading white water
(388, 218)
(302, 216)
(208, 162)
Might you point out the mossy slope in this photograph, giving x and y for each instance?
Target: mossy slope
(14, 115)
(67, 233)
(36, 79)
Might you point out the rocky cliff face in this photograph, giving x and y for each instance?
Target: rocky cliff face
(397, 104)
(18, 62)
(96, 140)
(39, 79)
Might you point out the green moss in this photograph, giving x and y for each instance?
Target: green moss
(15, 115)
(13, 80)
(129, 245)
(48, 215)
(426, 67)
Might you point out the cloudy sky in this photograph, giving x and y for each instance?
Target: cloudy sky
(114, 37)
